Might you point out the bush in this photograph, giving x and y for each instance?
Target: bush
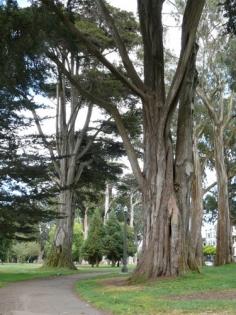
(209, 250)
(93, 248)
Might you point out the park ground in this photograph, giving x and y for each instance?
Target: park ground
(213, 291)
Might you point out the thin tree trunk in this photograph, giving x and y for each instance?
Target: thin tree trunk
(107, 201)
(131, 221)
(195, 236)
(223, 251)
(85, 223)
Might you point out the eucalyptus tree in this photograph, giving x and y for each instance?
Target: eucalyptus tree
(216, 94)
(163, 248)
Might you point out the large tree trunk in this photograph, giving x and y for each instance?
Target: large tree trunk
(223, 251)
(195, 236)
(162, 235)
(162, 253)
(184, 156)
(61, 254)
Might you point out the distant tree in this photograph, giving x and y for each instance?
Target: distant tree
(93, 248)
(113, 240)
(77, 242)
(26, 251)
(209, 250)
(5, 246)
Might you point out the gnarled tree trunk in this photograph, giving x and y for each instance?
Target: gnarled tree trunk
(184, 157)
(161, 252)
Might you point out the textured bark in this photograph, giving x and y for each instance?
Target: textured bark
(162, 245)
(85, 223)
(223, 250)
(107, 201)
(162, 238)
(60, 255)
(195, 236)
(184, 156)
(221, 118)
(66, 158)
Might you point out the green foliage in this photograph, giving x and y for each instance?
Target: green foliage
(48, 244)
(209, 250)
(230, 14)
(77, 242)
(113, 240)
(26, 251)
(5, 246)
(93, 248)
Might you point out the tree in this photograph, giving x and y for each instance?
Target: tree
(113, 240)
(77, 242)
(93, 247)
(220, 110)
(24, 184)
(163, 237)
(26, 251)
(230, 14)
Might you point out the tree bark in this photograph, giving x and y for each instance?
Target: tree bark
(162, 245)
(221, 119)
(195, 236)
(223, 250)
(161, 250)
(85, 223)
(184, 156)
(107, 201)
(60, 255)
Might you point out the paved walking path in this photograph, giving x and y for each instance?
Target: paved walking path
(53, 296)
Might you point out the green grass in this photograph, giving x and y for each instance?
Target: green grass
(18, 272)
(190, 294)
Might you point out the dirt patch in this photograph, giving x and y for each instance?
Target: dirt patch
(208, 295)
(119, 284)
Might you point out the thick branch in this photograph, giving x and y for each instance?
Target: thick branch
(131, 72)
(92, 48)
(47, 145)
(84, 130)
(113, 111)
(208, 105)
(191, 19)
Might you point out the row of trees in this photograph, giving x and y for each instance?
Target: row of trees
(153, 108)
(103, 241)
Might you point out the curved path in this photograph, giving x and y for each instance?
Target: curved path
(52, 296)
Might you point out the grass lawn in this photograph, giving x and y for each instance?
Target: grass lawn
(211, 292)
(18, 272)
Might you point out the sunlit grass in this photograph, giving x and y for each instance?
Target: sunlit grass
(18, 272)
(211, 292)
